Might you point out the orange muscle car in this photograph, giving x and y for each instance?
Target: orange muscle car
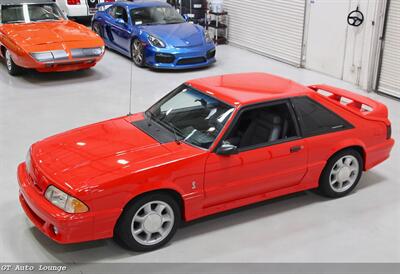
(35, 34)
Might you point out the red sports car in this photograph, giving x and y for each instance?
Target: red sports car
(35, 34)
(210, 145)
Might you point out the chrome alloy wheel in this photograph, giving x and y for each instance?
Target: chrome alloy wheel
(8, 60)
(152, 223)
(137, 54)
(344, 173)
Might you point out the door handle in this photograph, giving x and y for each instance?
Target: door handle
(295, 149)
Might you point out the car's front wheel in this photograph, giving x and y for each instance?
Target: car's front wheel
(341, 174)
(148, 223)
(12, 68)
(137, 53)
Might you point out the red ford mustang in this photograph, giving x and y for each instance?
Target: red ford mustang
(210, 145)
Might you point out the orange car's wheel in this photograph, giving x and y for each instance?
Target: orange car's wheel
(341, 174)
(148, 223)
(12, 68)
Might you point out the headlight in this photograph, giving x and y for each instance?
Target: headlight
(64, 201)
(207, 36)
(155, 42)
(87, 52)
(42, 56)
(50, 56)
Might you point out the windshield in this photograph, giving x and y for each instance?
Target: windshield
(27, 13)
(192, 116)
(155, 16)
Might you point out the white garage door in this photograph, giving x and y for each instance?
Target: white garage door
(389, 80)
(269, 27)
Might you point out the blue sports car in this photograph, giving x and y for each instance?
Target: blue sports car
(153, 34)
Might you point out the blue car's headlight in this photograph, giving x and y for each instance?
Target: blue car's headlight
(155, 42)
(207, 36)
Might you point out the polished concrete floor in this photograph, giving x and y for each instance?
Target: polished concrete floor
(363, 227)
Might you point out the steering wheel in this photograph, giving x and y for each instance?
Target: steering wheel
(355, 18)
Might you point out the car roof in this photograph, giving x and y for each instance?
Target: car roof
(17, 2)
(248, 88)
(143, 4)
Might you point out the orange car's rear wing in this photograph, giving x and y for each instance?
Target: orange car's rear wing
(358, 104)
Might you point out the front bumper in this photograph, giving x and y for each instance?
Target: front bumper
(182, 58)
(58, 225)
(66, 66)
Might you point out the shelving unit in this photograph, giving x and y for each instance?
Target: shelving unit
(218, 22)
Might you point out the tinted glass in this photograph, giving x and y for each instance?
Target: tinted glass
(121, 13)
(12, 14)
(30, 13)
(315, 118)
(262, 126)
(156, 16)
(193, 116)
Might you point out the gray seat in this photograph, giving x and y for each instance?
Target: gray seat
(264, 127)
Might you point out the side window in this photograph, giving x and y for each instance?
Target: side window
(316, 119)
(121, 13)
(263, 125)
(111, 11)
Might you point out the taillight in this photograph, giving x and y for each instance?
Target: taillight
(389, 132)
(109, 1)
(73, 2)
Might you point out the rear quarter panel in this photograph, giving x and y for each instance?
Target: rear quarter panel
(366, 134)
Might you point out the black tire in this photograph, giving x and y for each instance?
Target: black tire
(123, 232)
(12, 68)
(137, 55)
(96, 27)
(334, 176)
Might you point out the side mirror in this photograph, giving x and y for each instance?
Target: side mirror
(186, 17)
(120, 21)
(227, 149)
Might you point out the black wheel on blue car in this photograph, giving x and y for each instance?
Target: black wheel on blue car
(137, 53)
(12, 68)
(148, 222)
(341, 174)
(96, 27)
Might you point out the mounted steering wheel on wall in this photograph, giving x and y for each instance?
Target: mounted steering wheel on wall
(355, 18)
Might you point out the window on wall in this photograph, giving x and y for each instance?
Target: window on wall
(316, 119)
(262, 126)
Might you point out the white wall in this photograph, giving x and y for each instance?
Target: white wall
(335, 48)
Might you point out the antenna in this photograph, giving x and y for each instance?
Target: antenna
(130, 89)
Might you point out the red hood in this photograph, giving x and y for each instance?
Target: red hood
(76, 156)
(40, 33)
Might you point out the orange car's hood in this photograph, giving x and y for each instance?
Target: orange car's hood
(40, 33)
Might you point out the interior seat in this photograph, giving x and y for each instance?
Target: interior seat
(264, 127)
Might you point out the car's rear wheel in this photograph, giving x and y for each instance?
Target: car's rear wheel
(148, 223)
(137, 53)
(12, 68)
(341, 174)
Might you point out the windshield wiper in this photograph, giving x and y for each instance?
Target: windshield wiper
(167, 125)
(13, 22)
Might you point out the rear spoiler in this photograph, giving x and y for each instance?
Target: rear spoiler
(358, 104)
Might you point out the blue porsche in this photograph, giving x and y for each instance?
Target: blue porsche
(153, 34)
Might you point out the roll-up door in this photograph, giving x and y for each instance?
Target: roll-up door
(389, 78)
(270, 27)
